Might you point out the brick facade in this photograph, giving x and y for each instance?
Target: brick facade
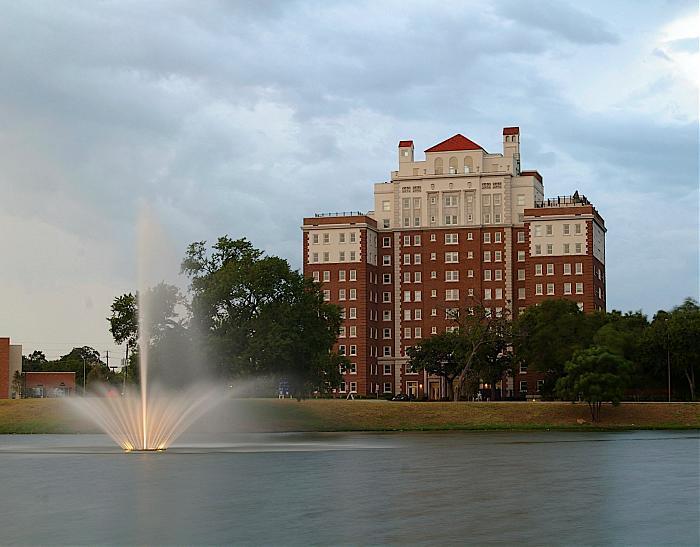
(462, 227)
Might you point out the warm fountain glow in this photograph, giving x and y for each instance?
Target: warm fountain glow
(151, 417)
(170, 413)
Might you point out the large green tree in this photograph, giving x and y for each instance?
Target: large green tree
(595, 375)
(165, 331)
(547, 335)
(673, 338)
(261, 317)
(477, 347)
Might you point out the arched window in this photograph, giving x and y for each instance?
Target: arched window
(453, 166)
(468, 165)
(438, 166)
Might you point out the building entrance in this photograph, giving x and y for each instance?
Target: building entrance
(412, 389)
(434, 391)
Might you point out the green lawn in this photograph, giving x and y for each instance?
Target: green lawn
(52, 416)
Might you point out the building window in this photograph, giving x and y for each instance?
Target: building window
(577, 228)
(326, 239)
(538, 249)
(417, 277)
(386, 297)
(497, 256)
(470, 273)
(386, 333)
(341, 350)
(567, 248)
(353, 331)
(386, 278)
(353, 275)
(521, 293)
(470, 236)
(523, 368)
(523, 386)
(579, 248)
(497, 237)
(353, 350)
(353, 294)
(487, 275)
(451, 258)
(386, 260)
(567, 269)
(580, 305)
(407, 333)
(538, 269)
(452, 275)
(521, 237)
(550, 248)
(538, 289)
(487, 237)
(548, 229)
(498, 275)
(418, 314)
(417, 259)
(341, 294)
(353, 313)
(387, 353)
(538, 231)
(521, 275)
(451, 239)
(579, 268)
(341, 332)
(407, 277)
(567, 229)
(521, 256)
(567, 288)
(417, 296)
(452, 294)
(416, 241)
(387, 387)
(487, 294)
(327, 295)
(407, 296)
(386, 242)
(341, 256)
(579, 288)
(386, 223)
(550, 269)
(433, 256)
(499, 294)
(433, 293)
(386, 315)
(386, 205)
(433, 237)
(487, 256)
(550, 289)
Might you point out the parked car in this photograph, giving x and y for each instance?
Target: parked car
(402, 397)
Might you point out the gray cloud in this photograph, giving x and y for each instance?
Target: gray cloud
(242, 118)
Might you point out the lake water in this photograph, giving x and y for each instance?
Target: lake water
(631, 488)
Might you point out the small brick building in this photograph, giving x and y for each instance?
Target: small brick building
(10, 362)
(48, 384)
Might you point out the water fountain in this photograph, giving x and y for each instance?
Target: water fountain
(151, 417)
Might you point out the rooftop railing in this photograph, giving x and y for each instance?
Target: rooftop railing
(559, 201)
(340, 214)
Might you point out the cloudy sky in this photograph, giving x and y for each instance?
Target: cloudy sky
(242, 117)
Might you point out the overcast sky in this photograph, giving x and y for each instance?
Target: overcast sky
(240, 118)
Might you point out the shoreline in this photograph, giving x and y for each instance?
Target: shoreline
(52, 416)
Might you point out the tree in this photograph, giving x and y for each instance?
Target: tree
(261, 317)
(34, 362)
(596, 375)
(673, 338)
(17, 384)
(438, 355)
(163, 328)
(557, 320)
(77, 360)
(477, 348)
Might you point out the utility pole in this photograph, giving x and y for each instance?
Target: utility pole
(84, 377)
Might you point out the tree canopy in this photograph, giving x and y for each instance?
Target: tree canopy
(596, 375)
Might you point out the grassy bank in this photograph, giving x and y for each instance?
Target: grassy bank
(272, 415)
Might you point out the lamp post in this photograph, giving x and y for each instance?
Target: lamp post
(668, 360)
(84, 377)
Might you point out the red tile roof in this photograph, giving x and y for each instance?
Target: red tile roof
(511, 130)
(458, 142)
(405, 144)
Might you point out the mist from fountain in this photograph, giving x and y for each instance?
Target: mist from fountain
(154, 415)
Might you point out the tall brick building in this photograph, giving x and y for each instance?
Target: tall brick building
(462, 226)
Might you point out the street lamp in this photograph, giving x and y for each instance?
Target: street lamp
(84, 377)
(668, 359)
